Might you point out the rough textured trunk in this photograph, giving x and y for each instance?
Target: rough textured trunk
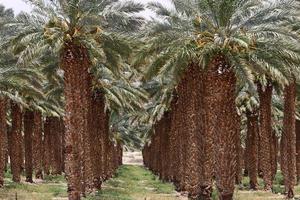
(265, 129)
(98, 125)
(38, 144)
(87, 141)
(22, 157)
(252, 148)
(62, 129)
(206, 118)
(222, 82)
(274, 154)
(192, 134)
(6, 148)
(173, 140)
(56, 133)
(3, 138)
(182, 131)
(298, 149)
(260, 148)
(239, 151)
(75, 63)
(106, 148)
(28, 131)
(162, 134)
(246, 160)
(16, 139)
(289, 136)
(166, 146)
(47, 145)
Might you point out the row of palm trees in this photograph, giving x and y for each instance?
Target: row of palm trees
(96, 92)
(170, 154)
(212, 52)
(200, 52)
(34, 144)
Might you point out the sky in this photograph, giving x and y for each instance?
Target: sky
(19, 5)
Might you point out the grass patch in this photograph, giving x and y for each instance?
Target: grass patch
(133, 182)
(36, 191)
(129, 183)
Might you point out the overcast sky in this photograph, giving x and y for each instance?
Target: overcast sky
(19, 5)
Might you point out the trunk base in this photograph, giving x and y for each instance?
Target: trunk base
(290, 193)
(268, 188)
(206, 193)
(29, 180)
(39, 175)
(98, 183)
(253, 186)
(226, 197)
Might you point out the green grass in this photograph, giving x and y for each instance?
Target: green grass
(47, 190)
(134, 182)
(129, 183)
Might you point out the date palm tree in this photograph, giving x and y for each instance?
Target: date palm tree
(4, 15)
(229, 41)
(85, 33)
(248, 105)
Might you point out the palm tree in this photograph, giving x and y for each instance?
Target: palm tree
(4, 14)
(71, 28)
(28, 130)
(3, 135)
(265, 99)
(38, 144)
(248, 105)
(16, 142)
(298, 149)
(229, 41)
(289, 138)
(47, 145)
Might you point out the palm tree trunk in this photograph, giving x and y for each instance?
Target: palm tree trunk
(182, 131)
(274, 154)
(104, 144)
(16, 157)
(38, 144)
(98, 125)
(246, 159)
(47, 145)
(252, 148)
(3, 138)
(222, 82)
(289, 135)
(107, 146)
(162, 146)
(174, 137)
(206, 128)
(56, 134)
(75, 63)
(260, 148)
(6, 147)
(298, 149)
(166, 141)
(63, 130)
(265, 98)
(193, 135)
(28, 131)
(239, 167)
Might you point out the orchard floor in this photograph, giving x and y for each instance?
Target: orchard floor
(132, 182)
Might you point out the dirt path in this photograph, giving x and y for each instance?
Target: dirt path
(133, 158)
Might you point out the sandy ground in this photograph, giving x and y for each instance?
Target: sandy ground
(133, 158)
